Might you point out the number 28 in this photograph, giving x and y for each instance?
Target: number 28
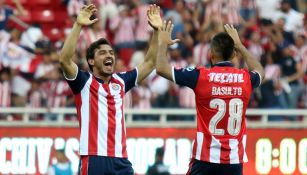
(235, 116)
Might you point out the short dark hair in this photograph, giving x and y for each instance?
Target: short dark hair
(223, 45)
(90, 52)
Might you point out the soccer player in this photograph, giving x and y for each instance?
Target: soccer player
(222, 95)
(99, 96)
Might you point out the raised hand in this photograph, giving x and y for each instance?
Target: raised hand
(165, 33)
(85, 13)
(233, 33)
(154, 18)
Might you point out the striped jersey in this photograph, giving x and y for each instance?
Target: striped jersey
(100, 112)
(221, 95)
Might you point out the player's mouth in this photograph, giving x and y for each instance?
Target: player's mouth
(108, 63)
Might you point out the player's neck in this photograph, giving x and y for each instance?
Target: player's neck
(104, 78)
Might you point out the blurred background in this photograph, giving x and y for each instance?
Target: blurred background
(39, 127)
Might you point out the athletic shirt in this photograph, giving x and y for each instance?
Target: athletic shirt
(222, 96)
(100, 112)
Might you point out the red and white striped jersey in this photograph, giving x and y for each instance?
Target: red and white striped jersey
(56, 93)
(221, 94)
(142, 32)
(74, 6)
(142, 97)
(100, 112)
(186, 97)
(89, 36)
(5, 94)
(201, 54)
(302, 57)
(231, 12)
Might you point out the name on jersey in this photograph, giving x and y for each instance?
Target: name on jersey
(223, 90)
(226, 78)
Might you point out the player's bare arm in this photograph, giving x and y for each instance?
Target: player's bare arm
(155, 21)
(68, 50)
(163, 67)
(251, 62)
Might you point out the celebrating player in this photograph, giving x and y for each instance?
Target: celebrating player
(222, 94)
(99, 96)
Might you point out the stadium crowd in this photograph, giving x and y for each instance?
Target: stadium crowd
(274, 31)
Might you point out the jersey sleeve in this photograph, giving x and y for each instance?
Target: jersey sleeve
(130, 78)
(76, 84)
(255, 79)
(185, 76)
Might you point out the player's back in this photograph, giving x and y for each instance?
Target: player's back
(222, 95)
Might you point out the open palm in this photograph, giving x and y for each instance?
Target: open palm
(85, 13)
(154, 18)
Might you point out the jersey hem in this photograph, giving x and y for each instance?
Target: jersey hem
(71, 79)
(95, 154)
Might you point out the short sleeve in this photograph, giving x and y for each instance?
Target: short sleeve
(130, 78)
(76, 84)
(255, 79)
(186, 76)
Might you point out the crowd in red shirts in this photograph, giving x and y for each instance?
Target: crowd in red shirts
(274, 32)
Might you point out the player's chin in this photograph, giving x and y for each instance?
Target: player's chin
(108, 71)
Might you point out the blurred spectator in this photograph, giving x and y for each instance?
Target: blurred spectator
(158, 168)
(267, 9)
(5, 88)
(254, 46)
(45, 68)
(142, 29)
(293, 19)
(248, 9)
(271, 87)
(107, 11)
(123, 26)
(201, 51)
(31, 36)
(63, 166)
(6, 12)
(89, 35)
(292, 75)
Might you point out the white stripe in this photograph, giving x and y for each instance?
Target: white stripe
(118, 119)
(102, 121)
(215, 150)
(119, 79)
(137, 76)
(173, 74)
(244, 146)
(199, 140)
(85, 97)
(234, 151)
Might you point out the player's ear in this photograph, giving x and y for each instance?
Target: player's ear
(91, 62)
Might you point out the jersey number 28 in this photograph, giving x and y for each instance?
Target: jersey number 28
(235, 116)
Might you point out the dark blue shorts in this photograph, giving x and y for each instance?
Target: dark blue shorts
(101, 165)
(205, 168)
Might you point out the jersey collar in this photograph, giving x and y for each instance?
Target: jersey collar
(223, 64)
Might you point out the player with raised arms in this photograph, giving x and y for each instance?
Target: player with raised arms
(222, 94)
(99, 95)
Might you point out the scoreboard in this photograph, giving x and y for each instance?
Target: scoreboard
(30, 150)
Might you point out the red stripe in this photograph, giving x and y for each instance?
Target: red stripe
(111, 122)
(93, 118)
(124, 146)
(84, 165)
(225, 151)
(241, 149)
(205, 153)
(78, 101)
